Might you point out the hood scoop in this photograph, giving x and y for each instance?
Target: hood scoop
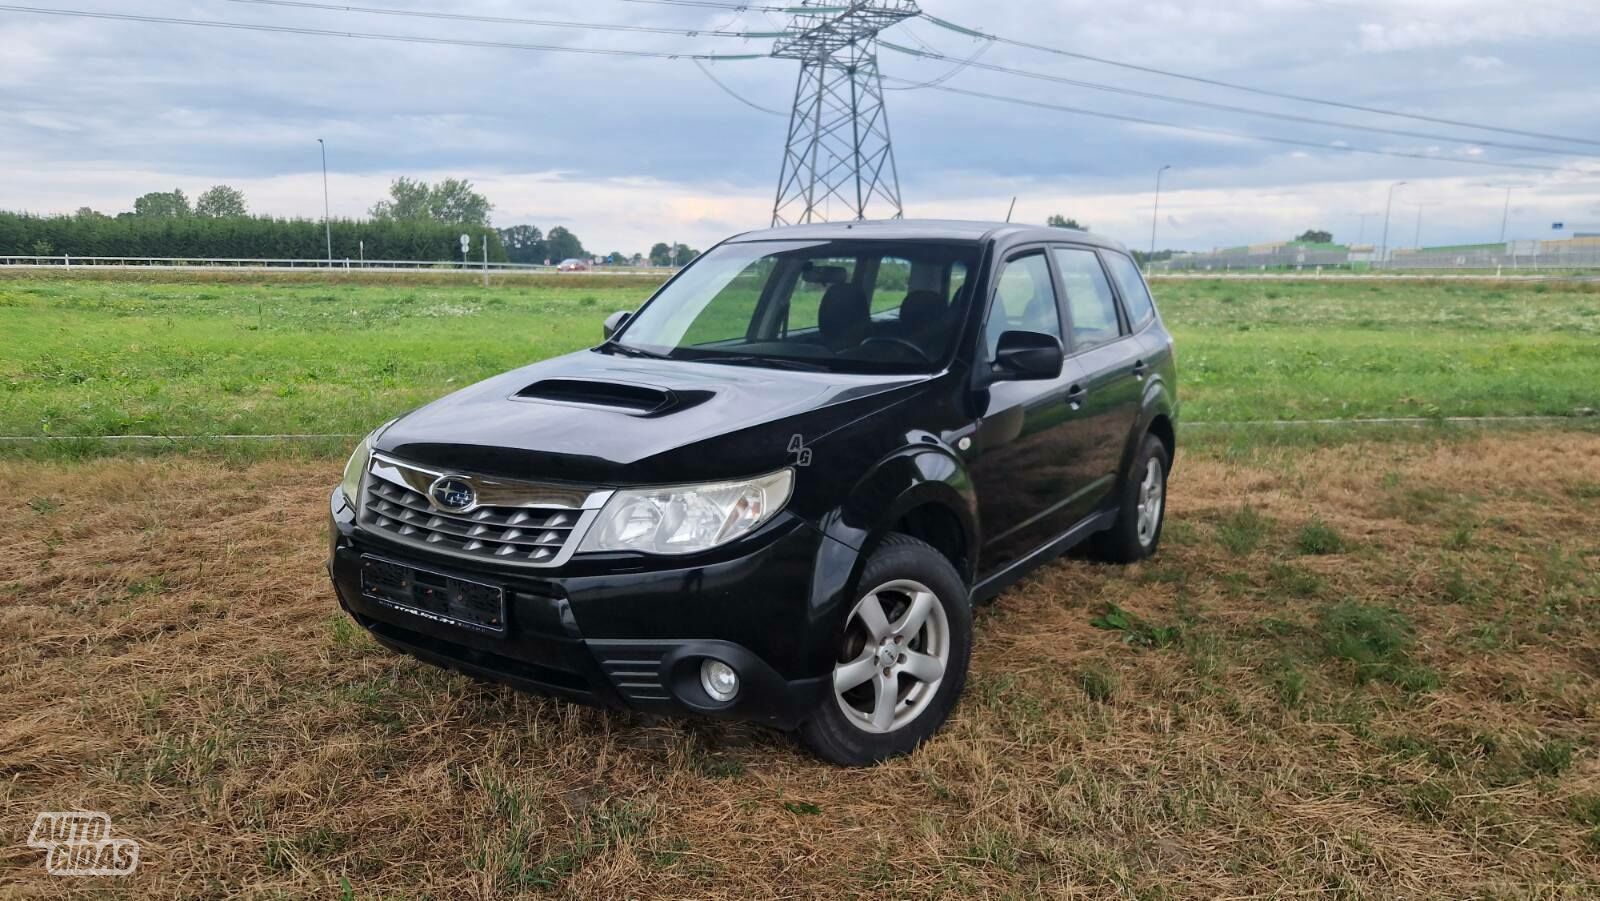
(622, 397)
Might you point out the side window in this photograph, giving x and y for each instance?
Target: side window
(1090, 303)
(1024, 300)
(1135, 295)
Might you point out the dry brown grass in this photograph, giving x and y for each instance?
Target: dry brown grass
(172, 656)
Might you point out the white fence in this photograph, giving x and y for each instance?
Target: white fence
(1538, 255)
(1548, 256)
(1283, 258)
(27, 261)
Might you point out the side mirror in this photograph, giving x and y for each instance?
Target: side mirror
(1028, 355)
(615, 322)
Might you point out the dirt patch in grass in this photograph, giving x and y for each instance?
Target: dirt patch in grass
(1366, 670)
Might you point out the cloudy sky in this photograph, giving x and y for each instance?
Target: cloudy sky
(628, 151)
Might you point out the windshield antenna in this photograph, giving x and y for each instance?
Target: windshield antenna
(1013, 208)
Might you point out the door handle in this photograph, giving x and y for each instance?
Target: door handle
(1075, 397)
(1138, 369)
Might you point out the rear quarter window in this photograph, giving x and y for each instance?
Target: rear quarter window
(1135, 295)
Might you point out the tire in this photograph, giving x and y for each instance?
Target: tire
(1136, 536)
(847, 727)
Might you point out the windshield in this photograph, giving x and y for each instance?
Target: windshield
(841, 306)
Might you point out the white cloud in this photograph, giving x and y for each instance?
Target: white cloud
(628, 152)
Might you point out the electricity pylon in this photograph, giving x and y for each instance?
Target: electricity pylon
(838, 148)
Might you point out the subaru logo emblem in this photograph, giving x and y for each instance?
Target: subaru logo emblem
(452, 494)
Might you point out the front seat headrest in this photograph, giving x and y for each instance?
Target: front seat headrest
(921, 311)
(843, 319)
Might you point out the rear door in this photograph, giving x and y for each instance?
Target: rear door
(1111, 370)
(1021, 471)
(1140, 309)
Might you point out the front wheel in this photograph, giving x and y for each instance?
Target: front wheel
(1142, 509)
(901, 661)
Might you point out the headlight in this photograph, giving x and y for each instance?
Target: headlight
(687, 518)
(356, 468)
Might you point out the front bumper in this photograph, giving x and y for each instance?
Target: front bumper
(623, 633)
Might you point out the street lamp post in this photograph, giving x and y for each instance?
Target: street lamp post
(327, 225)
(1505, 215)
(1155, 214)
(1383, 255)
(1416, 240)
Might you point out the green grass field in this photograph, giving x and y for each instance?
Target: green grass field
(176, 355)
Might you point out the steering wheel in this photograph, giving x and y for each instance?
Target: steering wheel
(899, 342)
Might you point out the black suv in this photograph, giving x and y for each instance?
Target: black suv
(776, 490)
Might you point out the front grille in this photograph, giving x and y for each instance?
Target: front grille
(528, 524)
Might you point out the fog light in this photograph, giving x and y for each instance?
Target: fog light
(719, 680)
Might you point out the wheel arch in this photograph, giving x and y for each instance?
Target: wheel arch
(923, 490)
(1158, 416)
(1162, 426)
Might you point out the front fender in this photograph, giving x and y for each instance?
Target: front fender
(925, 471)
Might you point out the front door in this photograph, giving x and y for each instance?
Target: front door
(1021, 467)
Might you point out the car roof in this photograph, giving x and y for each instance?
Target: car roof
(926, 229)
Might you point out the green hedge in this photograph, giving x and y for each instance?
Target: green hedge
(249, 237)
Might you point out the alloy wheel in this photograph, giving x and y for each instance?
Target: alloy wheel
(896, 649)
(1152, 494)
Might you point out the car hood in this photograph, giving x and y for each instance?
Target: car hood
(607, 419)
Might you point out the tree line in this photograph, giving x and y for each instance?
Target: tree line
(417, 221)
(91, 234)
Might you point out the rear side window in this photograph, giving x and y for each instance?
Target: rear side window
(1090, 303)
(958, 279)
(820, 275)
(1024, 301)
(1141, 309)
(891, 286)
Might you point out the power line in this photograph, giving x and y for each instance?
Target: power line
(714, 4)
(374, 36)
(732, 93)
(508, 20)
(955, 70)
(1265, 92)
(1293, 142)
(1224, 107)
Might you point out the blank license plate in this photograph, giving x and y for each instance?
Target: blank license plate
(441, 598)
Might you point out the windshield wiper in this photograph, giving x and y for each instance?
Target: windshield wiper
(630, 351)
(754, 360)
